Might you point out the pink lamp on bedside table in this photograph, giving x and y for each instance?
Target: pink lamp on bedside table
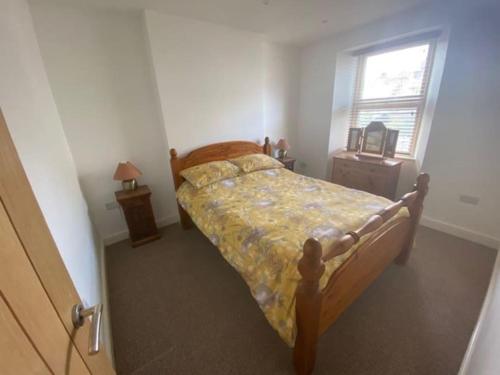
(283, 147)
(126, 172)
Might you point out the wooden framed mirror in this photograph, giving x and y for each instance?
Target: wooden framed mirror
(374, 137)
(374, 141)
(391, 142)
(354, 139)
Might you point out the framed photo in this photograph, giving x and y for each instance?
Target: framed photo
(374, 138)
(354, 139)
(391, 143)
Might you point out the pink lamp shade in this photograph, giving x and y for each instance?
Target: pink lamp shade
(126, 171)
(283, 144)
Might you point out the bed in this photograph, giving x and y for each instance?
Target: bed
(305, 247)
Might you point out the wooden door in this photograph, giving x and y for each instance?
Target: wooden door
(36, 291)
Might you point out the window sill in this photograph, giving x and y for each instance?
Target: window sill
(396, 157)
(405, 157)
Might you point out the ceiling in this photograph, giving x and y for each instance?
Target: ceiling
(286, 21)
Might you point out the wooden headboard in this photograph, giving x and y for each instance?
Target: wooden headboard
(214, 152)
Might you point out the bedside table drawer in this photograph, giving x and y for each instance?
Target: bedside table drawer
(134, 203)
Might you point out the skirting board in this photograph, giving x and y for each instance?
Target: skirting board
(123, 235)
(461, 232)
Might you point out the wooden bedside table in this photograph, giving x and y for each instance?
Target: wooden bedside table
(288, 161)
(136, 205)
(376, 176)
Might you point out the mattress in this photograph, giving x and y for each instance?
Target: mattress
(259, 221)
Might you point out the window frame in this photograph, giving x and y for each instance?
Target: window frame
(403, 102)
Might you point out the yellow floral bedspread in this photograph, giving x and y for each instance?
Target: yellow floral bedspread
(260, 221)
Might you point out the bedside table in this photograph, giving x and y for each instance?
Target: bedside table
(288, 162)
(376, 176)
(136, 205)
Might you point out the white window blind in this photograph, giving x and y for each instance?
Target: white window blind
(391, 86)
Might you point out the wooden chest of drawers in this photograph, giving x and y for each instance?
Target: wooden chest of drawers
(375, 176)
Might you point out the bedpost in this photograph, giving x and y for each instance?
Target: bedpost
(267, 146)
(416, 208)
(308, 307)
(175, 165)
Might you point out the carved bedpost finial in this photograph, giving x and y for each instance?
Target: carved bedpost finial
(311, 267)
(422, 185)
(267, 146)
(308, 307)
(415, 206)
(173, 154)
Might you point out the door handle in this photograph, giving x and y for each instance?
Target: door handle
(78, 315)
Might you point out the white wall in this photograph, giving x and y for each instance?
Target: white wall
(460, 157)
(320, 61)
(128, 86)
(210, 80)
(463, 152)
(281, 93)
(99, 71)
(34, 123)
(192, 83)
(343, 94)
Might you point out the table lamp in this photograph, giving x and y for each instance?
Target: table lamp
(126, 172)
(283, 147)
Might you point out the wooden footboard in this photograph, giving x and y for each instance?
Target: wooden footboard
(317, 309)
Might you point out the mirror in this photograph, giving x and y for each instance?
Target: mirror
(391, 142)
(374, 138)
(373, 141)
(354, 139)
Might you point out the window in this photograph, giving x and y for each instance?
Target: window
(391, 87)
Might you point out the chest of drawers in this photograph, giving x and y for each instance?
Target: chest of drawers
(379, 177)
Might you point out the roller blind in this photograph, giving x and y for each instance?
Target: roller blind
(391, 86)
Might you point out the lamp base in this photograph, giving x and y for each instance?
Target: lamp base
(129, 185)
(282, 154)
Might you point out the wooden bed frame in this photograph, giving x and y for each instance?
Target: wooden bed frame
(318, 309)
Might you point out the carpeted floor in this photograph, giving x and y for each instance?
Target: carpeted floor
(178, 308)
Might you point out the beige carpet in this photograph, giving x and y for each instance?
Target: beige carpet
(178, 308)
